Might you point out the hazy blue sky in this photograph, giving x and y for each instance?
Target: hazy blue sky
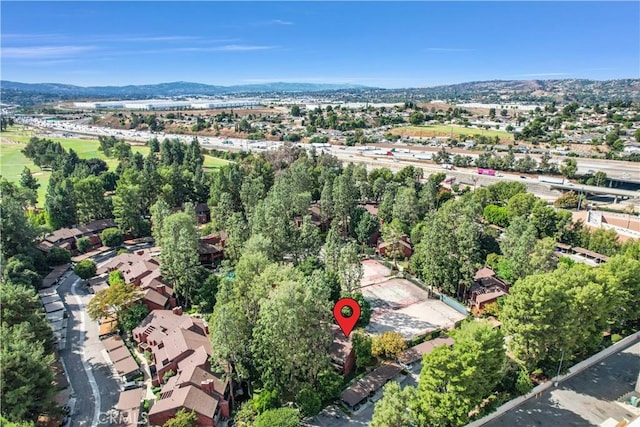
(385, 44)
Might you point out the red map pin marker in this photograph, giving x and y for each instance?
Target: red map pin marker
(346, 323)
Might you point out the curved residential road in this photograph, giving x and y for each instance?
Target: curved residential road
(95, 387)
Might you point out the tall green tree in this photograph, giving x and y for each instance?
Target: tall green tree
(344, 199)
(405, 208)
(455, 379)
(365, 228)
(27, 180)
(447, 255)
(60, 202)
(292, 336)
(326, 201)
(350, 268)
(20, 304)
(516, 245)
(17, 233)
(561, 314)
(90, 201)
(392, 409)
(180, 262)
(128, 209)
(160, 210)
(26, 376)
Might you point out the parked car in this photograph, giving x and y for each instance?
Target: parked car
(131, 385)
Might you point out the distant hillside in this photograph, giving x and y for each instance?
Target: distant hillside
(504, 91)
(495, 91)
(165, 89)
(566, 90)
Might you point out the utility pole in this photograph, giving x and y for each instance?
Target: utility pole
(559, 367)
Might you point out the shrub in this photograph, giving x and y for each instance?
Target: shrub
(362, 347)
(388, 345)
(83, 244)
(168, 375)
(85, 269)
(329, 384)
(58, 256)
(309, 402)
(265, 400)
(523, 383)
(111, 237)
(281, 417)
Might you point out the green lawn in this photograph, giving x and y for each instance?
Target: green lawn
(450, 130)
(12, 161)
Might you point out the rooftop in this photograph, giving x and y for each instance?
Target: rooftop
(189, 397)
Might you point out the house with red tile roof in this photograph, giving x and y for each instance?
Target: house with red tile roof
(403, 245)
(181, 353)
(171, 337)
(486, 288)
(191, 398)
(343, 356)
(66, 238)
(141, 269)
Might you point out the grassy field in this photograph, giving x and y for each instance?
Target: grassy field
(12, 161)
(450, 130)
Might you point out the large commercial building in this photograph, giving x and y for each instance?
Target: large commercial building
(167, 104)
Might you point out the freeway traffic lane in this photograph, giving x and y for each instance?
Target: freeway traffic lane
(94, 385)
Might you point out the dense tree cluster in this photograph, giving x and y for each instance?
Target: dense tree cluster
(453, 381)
(562, 313)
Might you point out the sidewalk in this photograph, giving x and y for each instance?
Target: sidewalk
(144, 366)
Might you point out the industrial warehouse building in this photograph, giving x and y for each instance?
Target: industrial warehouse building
(165, 104)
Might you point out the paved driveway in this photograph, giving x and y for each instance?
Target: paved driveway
(91, 377)
(332, 416)
(587, 399)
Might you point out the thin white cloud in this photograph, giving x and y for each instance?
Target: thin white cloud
(280, 22)
(240, 48)
(36, 52)
(543, 74)
(221, 48)
(20, 37)
(448, 49)
(141, 38)
(45, 62)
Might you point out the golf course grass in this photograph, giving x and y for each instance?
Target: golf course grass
(12, 161)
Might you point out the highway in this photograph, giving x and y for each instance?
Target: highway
(371, 155)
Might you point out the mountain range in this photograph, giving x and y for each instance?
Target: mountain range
(169, 89)
(491, 91)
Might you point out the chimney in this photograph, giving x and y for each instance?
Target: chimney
(177, 311)
(207, 386)
(160, 289)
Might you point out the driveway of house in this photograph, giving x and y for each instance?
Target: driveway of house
(95, 388)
